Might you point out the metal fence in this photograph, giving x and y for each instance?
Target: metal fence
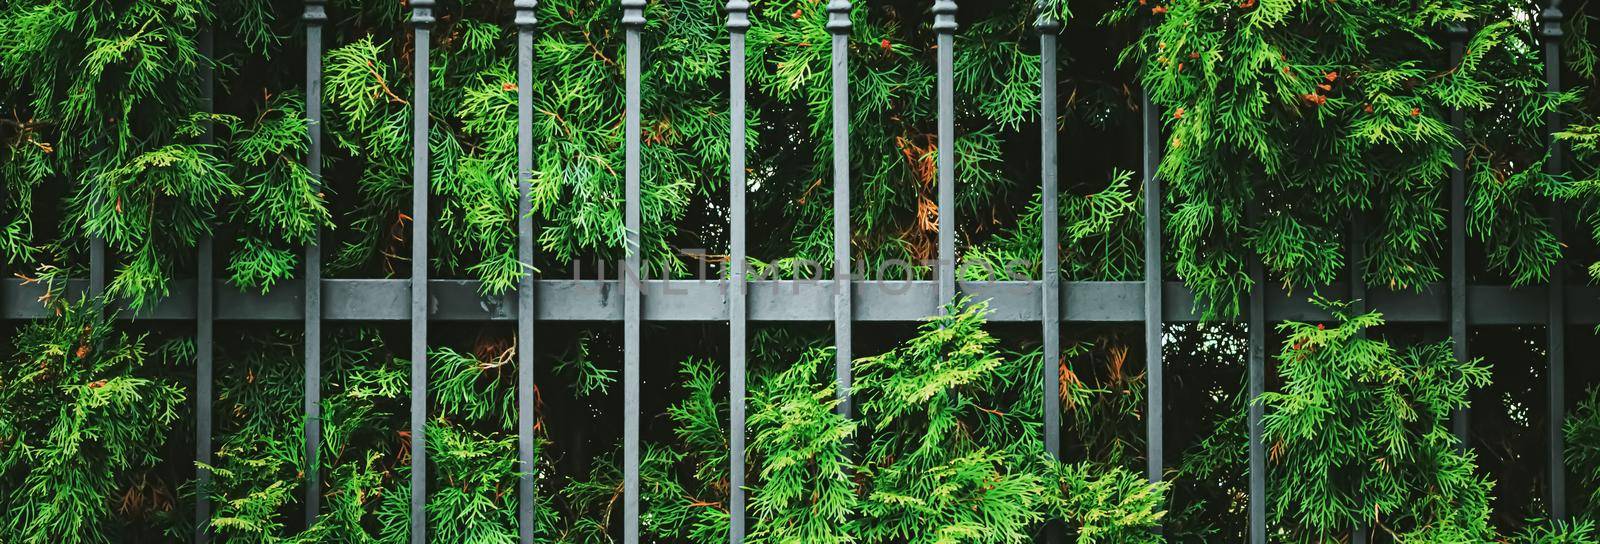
(738, 300)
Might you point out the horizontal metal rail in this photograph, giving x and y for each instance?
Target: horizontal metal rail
(800, 301)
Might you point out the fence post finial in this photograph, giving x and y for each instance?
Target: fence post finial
(316, 11)
(738, 15)
(1551, 17)
(526, 17)
(633, 13)
(944, 15)
(839, 16)
(1046, 22)
(422, 13)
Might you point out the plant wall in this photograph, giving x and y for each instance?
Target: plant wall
(1292, 131)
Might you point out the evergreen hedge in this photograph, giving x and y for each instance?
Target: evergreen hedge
(1286, 122)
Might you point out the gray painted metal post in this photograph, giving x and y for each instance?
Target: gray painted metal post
(633, 22)
(5, 261)
(1356, 268)
(5, 269)
(204, 327)
(97, 270)
(1550, 32)
(1050, 199)
(315, 16)
(1155, 439)
(525, 21)
(1257, 381)
(843, 309)
(944, 23)
(1460, 421)
(738, 25)
(1051, 322)
(422, 20)
(1358, 304)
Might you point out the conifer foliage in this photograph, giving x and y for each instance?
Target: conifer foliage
(1292, 130)
(951, 449)
(259, 461)
(1582, 430)
(1319, 112)
(947, 449)
(104, 109)
(1360, 436)
(85, 410)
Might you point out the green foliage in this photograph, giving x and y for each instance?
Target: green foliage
(579, 137)
(259, 461)
(103, 107)
(472, 445)
(1581, 53)
(477, 471)
(1366, 101)
(1100, 234)
(108, 107)
(951, 450)
(892, 126)
(803, 491)
(1582, 433)
(952, 430)
(280, 205)
(1106, 504)
(1320, 112)
(84, 412)
(685, 483)
(1360, 436)
(1559, 532)
(261, 440)
(947, 450)
(587, 376)
(1357, 434)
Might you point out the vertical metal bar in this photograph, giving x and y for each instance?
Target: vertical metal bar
(1050, 252)
(1257, 380)
(97, 268)
(843, 312)
(633, 22)
(315, 16)
(1458, 240)
(5, 259)
(204, 327)
(944, 23)
(738, 25)
(422, 22)
(1358, 305)
(525, 21)
(1155, 440)
(1551, 33)
(1357, 267)
(97, 271)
